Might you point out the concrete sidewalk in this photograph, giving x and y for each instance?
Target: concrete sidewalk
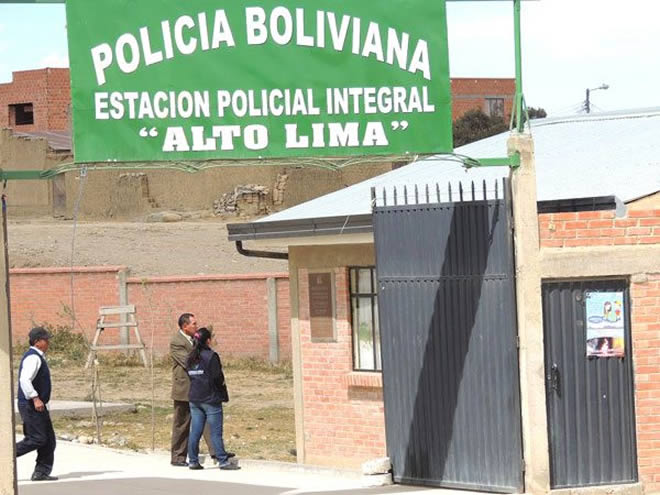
(85, 469)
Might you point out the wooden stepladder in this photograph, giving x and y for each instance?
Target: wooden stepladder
(113, 317)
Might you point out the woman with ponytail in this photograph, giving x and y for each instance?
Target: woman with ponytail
(207, 393)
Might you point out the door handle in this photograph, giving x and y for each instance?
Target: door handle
(555, 379)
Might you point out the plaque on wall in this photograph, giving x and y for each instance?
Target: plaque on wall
(321, 311)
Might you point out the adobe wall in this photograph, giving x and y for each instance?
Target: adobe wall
(132, 194)
(29, 197)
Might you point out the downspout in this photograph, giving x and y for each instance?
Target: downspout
(260, 254)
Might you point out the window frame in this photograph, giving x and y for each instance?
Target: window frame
(22, 110)
(495, 101)
(353, 272)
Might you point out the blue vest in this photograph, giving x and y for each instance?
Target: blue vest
(204, 387)
(41, 382)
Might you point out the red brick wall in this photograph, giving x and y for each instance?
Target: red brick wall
(48, 90)
(602, 228)
(236, 305)
(471, 93)
(43, 295)
(645, 295)
(343, 411)
(599, 228)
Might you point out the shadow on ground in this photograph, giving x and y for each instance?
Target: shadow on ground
(162, 486)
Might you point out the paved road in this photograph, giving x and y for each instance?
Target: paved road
(88, 469)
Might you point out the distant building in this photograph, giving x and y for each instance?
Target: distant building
(492, 96)
(36, 100)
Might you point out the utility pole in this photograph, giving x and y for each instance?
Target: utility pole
(587, 102)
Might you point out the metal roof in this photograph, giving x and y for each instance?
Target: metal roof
(607, 154)
(57, 140)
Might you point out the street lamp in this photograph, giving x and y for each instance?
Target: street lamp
(587, 103)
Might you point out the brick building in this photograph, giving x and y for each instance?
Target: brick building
(36, 101)
(492, 96)
(594, 224)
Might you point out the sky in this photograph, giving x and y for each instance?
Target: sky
(568, 46)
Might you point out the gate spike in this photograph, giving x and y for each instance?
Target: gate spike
(497, 192)
(460, 191)
(373, 197)
(485, 194)
(437, 191)
(416, 195)
(428, 198)
(451, 198)
(384, 196)
(405, 195)
(472, 186)
(396, 199)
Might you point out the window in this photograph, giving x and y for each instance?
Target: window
(495, 107)
(364, 312)
(21, 114)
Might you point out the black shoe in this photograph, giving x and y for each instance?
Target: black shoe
(195, 466)
(229, 466)
(37, 476)
(229, 456)
(179, 463)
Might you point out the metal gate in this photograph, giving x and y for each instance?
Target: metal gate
(449, 339)
(591, 418)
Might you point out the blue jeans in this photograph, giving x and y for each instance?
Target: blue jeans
(200, 413)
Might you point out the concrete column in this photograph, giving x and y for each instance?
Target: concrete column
(530, 317)
(124, 332)
(296, 357)
(273, 331)
(7, 446)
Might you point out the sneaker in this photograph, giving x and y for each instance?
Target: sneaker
(195, 466)
(229, 466)
(179, 463)
(37, 476)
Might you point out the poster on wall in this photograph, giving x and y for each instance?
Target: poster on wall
(200, 80)
(605, 324)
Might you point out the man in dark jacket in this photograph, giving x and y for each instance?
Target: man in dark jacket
(180, 346)
(34, 388)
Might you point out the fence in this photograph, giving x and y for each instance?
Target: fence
(250, 313)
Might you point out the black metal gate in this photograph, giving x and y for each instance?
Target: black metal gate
(591, 418)
(449, 339)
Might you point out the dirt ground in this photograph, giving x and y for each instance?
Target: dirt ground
(148, 249)
(259, 418)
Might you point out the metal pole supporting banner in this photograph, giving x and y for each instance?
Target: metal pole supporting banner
(520, 122)
(8, 484)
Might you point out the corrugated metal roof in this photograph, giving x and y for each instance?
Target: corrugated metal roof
(613, 154)
(57, 140)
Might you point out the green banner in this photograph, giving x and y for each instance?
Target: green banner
(199, 80)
